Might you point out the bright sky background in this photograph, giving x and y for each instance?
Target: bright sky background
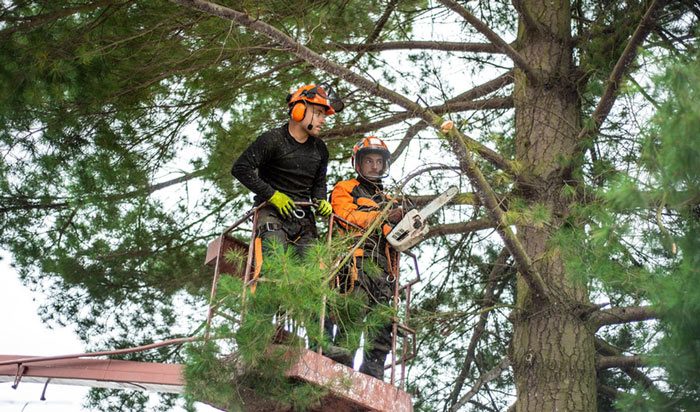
(23, 333)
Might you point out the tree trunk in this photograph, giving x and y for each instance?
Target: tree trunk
(552, 351)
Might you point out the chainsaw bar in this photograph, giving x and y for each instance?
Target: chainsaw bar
(413, 227)
(437, 203)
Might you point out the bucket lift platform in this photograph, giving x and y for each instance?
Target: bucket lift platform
(364, 393)
(349, 390)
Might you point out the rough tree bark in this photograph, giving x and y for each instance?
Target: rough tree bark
(552, 351)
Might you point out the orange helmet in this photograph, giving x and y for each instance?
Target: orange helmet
(322, 95)
(367, 145)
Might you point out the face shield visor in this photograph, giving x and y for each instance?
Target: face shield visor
(326, 91)
(360, 163)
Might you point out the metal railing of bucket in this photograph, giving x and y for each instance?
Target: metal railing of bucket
(224, 242)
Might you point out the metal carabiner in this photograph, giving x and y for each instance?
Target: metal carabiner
(298, 213)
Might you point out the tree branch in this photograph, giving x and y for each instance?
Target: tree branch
(493, 209)
(484, 151)
(427, 169)
(483, 379)
(622, 315)
(460, 144)
(406, 139)
(422, 45)
(377, 29)
(26, 205)
(485, 88)
(626, 363)
(457, 106)
(605, 348)
(493, 37)
(608, 362)
(382, 21)
(620, 70)
(40, 19)
(499, 268)
(530, 21)
(475, 93)
(608, 391)
(483, 407)
(462, 227)
(17, 204)
(467, 198)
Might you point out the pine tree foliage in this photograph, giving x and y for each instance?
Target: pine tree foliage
(562, 277)
(670, 184)
(263, 331)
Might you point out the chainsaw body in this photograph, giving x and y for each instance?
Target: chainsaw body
(413, 227)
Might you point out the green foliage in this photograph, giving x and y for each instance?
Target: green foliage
(605, 39)
(100, 109)
(536, 215)
(638, 244)
(119, 124)
(267, 330)
(129, 400)
(670, 157)
(98, 114)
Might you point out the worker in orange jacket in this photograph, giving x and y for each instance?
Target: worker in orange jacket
(360, 201)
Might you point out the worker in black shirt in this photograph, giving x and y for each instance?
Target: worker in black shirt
(289, 164)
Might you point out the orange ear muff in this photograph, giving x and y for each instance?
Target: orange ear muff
(298, 111)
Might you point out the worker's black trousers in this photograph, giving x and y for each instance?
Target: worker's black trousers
(373, 288)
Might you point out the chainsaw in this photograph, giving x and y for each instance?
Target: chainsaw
(413, 227)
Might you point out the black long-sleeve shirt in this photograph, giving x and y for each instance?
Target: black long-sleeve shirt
(276, 161)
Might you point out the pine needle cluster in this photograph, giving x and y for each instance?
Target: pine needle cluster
(257, 336)
(638, 244)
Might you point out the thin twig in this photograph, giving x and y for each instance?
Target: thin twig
(621, 69)
(483, 379)
(492, 36)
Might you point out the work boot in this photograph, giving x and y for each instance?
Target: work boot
(339, 354)
(373, 369)
(373, 364)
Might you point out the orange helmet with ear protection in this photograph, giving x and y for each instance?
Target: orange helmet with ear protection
(367, 145)
(322, 95)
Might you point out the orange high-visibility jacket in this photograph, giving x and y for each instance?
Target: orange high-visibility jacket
(359, 202)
